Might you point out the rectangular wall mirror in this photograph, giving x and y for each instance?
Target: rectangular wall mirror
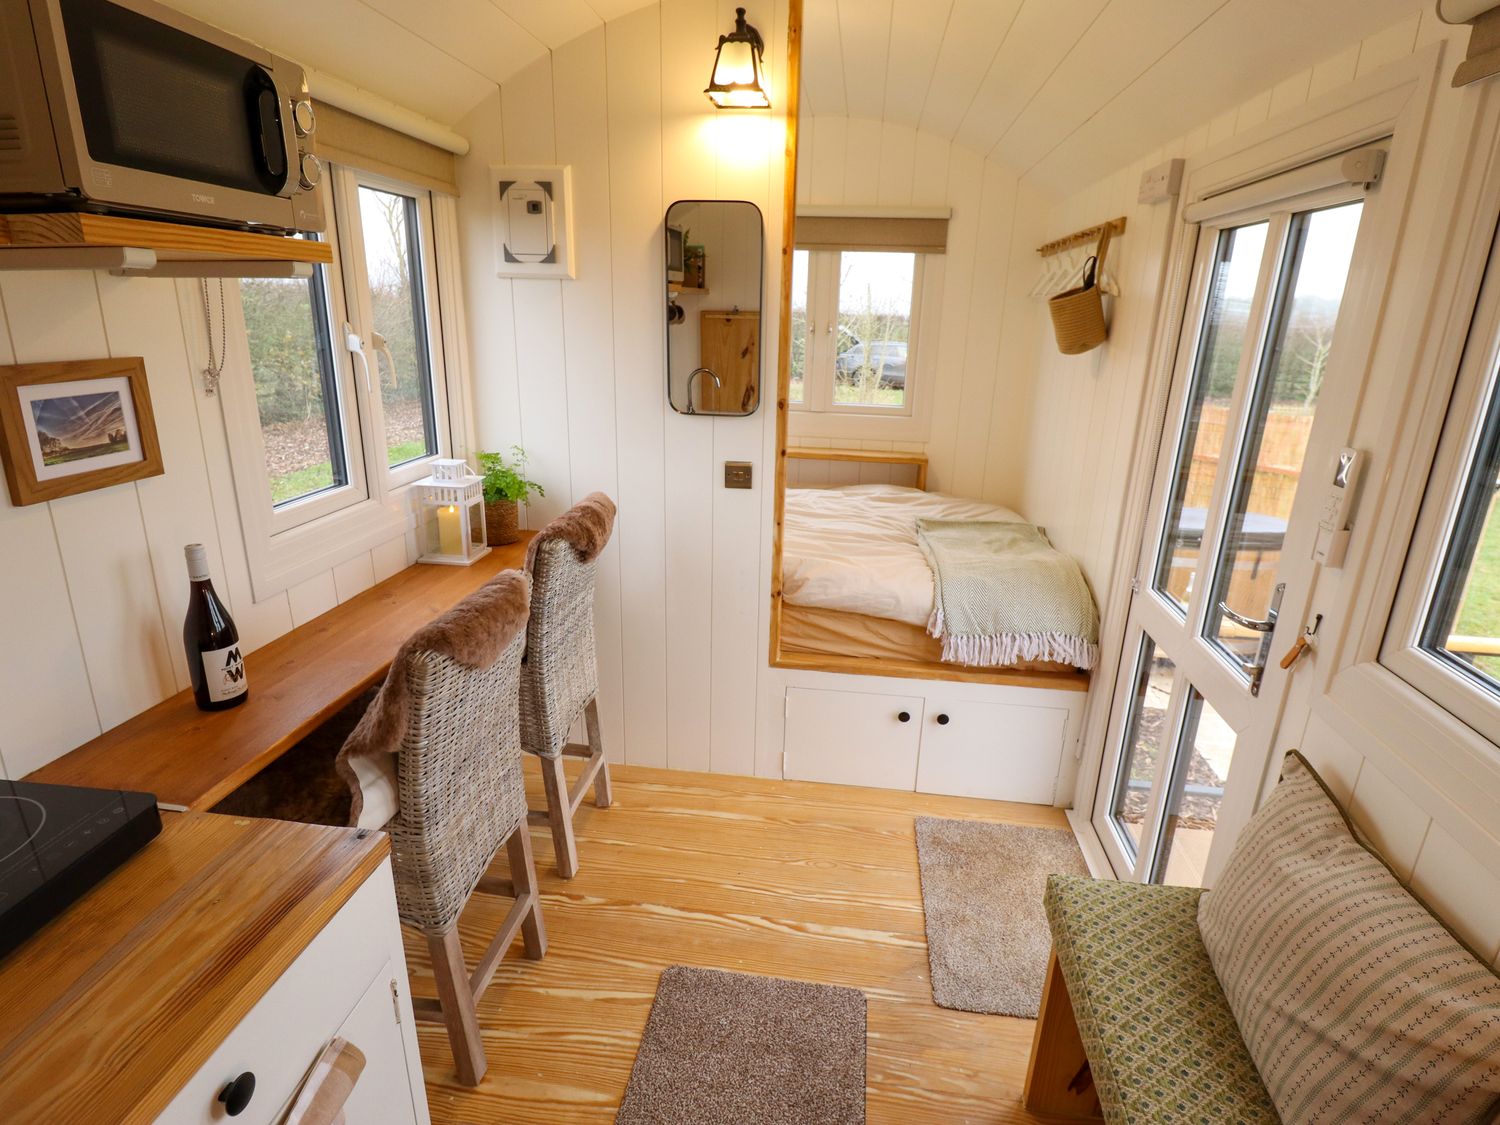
(715, 254)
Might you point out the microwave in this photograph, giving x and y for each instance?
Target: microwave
(676, 252)
(132, 108)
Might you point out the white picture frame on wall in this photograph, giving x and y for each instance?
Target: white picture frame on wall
(533, 220)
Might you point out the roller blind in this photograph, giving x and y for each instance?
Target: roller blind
(1483, 56)
(1361, 166)
(347, 138)
(914, 232)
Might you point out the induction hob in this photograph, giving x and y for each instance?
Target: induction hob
(57, 841)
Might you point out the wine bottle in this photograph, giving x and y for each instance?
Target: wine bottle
(215, 663)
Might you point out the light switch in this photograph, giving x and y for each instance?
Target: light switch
(738, 474)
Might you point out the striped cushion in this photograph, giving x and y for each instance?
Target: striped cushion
(1356, 1004)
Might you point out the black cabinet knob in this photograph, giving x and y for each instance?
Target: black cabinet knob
(236, 1096)
(904, 716)
(942, 720)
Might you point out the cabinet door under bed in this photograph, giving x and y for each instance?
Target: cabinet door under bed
(961, 742)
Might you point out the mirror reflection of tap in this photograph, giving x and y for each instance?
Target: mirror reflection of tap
(719, 383)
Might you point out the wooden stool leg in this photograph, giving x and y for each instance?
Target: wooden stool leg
(1057, 1079)
(523, 880)
(603, 794)
(459, 1016)
(560, 816)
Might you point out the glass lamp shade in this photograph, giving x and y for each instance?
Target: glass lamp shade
(737, 81)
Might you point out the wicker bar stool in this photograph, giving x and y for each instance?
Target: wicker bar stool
(559, 678)
(448, 713)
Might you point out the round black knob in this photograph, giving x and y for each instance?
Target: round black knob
(904, 716)
(942, 720)
(236, 1096)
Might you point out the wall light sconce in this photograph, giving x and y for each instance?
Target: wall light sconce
(737, 82)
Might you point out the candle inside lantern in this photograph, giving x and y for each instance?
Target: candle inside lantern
(450, 530)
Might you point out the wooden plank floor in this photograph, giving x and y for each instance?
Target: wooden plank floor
(792, 879)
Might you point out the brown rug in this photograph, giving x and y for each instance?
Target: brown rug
(987, 936)
(732, 1049)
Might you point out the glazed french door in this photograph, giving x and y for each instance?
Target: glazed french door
(1227, 551)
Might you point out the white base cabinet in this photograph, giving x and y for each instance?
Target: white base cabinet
(969, 740)
(1003, 751)
(350, 981)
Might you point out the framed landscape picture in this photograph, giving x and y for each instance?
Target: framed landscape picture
(73, 427)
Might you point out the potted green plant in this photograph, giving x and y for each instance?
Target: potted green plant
(505, 487)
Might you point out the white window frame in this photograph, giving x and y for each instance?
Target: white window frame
(821, 353)
(1475, 387)
(347, 182)
(288, 545)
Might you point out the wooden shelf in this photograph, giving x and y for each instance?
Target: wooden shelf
(193, 759)
(675, 287)
(78, 240)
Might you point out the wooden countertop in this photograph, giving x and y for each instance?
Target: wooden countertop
(193, 759)
(114, 1005)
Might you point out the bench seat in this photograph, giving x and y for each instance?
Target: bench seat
(1161, 1042)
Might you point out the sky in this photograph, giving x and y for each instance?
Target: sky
(79, 420)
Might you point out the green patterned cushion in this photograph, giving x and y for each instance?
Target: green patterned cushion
(1356, 1004)
(1162, 1043)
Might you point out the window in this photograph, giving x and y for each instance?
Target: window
(393, 269)
(1462, 627)
(321, 434)
(854, 331)
(299, 395)
(1443, 634)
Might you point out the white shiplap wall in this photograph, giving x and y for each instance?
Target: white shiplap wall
(973, 350)
(574, 370)
(95, 585)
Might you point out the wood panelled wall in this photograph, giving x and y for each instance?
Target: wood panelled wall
(95, 587)
(575, 370)
(975, 331)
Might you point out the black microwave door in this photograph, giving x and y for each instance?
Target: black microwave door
(156, 99)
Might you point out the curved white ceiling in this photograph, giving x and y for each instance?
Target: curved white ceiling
(1066, 90)
(437, 57)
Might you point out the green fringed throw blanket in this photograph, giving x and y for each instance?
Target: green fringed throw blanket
(1003, 594)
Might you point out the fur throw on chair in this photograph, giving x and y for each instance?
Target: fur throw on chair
(473, 633)
(586, 527)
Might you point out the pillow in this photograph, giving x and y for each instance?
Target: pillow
(1356, 1004)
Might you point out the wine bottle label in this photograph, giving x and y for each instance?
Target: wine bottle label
(224, 673)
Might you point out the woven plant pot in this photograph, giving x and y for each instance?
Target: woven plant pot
(502, 522)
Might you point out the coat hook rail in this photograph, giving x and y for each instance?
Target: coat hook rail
(1078, 238)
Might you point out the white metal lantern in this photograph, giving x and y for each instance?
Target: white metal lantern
(450, 515)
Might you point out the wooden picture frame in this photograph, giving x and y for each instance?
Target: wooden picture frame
(105, 430)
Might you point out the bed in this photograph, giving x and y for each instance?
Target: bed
(855, 583)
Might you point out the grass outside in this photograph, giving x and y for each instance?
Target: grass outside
(847, 395)
(314, 478)
(84, 452)
(1479, 613)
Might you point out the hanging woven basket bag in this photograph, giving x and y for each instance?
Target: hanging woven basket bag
(1078, 314)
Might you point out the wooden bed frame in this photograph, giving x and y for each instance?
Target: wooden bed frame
(870, 666)
(865, 456)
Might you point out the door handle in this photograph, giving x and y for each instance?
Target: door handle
(382, 348)
(1266, 627)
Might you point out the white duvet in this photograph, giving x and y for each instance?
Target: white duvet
(855, 549)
